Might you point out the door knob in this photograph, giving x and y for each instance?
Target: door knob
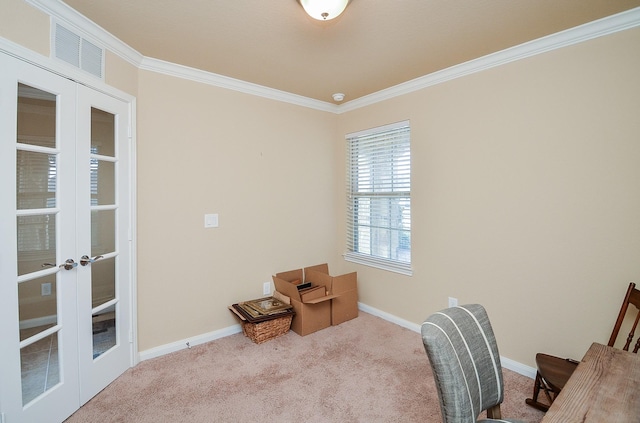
(84, 260)
(68, 264)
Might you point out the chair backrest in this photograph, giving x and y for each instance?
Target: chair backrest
(632, 297)
(465, 361)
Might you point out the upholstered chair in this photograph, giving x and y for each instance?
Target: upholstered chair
(464, 357)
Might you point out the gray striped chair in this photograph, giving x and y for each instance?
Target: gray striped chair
(465, 361)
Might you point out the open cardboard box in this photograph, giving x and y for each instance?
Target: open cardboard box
(330, 301)
(312, 306)
(344, 287)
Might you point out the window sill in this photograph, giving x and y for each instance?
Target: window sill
(380, 263)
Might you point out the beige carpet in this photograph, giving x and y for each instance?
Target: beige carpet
(364, 370)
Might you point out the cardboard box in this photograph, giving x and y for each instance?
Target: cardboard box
(312, 306)
(344, 288)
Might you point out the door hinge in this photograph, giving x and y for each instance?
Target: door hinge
(130, 340)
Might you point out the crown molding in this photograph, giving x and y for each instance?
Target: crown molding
(605, 26)
(197, 75)
(96, 34)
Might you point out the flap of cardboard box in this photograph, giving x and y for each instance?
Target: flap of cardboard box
(319, 275)
(312, 293)
(286, 288)
(322, 268)
(291, 275)
(321, 299)
(344, 283)
(318, 278)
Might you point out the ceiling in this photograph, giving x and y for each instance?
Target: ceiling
(373, 45)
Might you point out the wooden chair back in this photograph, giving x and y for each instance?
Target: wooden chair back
(633, 298)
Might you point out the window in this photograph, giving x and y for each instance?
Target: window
(379, 197)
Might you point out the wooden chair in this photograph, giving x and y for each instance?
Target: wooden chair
(553, 372)
(464, 357)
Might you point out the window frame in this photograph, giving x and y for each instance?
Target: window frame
(394, 191)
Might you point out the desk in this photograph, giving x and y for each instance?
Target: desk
(605, 387)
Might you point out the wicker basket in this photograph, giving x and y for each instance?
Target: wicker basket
(264, 331)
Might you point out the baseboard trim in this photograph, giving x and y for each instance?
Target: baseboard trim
(507, 363)
(188, 342)
(519, 368)
(38, 321)
(389, 317)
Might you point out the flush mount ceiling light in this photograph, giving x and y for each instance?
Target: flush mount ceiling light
(324, 10)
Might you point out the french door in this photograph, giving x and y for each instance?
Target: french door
(65, 278)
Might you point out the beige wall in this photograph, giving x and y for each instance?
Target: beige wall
(265, 167)
(120, 74)
(25, 25)
(525, 196)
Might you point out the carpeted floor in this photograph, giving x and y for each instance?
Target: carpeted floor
(364, 370)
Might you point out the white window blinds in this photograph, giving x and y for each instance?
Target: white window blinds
(379, 197)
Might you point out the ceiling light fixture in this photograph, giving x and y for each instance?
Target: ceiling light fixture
(324, 10)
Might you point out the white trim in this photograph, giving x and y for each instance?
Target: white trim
(507, 363)
(378, 129)
(189, 342)
(519, 368)
(379, 263)
(133, 220)
(389, 317)
(209, 78)
(38, 321)
(605, 26)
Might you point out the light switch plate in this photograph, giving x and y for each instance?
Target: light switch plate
(211, 220)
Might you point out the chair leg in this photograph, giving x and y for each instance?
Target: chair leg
(539, 384)
(494, 412)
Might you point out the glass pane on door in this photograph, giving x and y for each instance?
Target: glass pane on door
(40, 367)
(36, 117)
(104, 331)
(102, 182)
(37, 236)
(103, 231)
(102, 132)
(103, 235)
(36, 242)
(37, 305)
(36, 180)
